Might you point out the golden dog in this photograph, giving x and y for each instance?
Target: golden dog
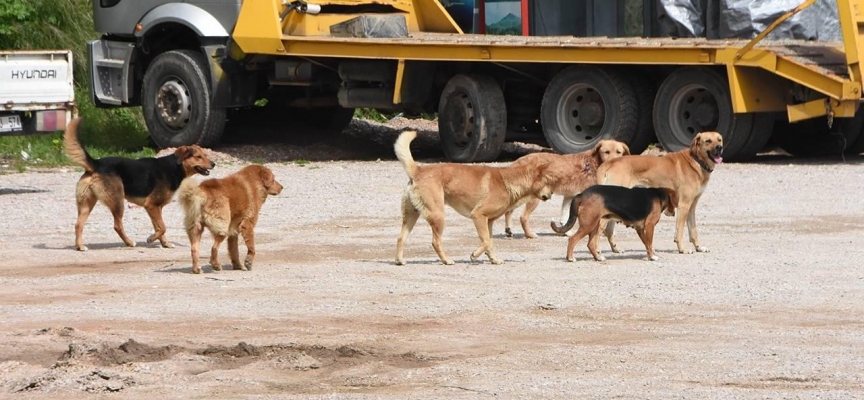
(686, 172)
(478, 192)
(227, 207)
(639, 208)
(574, 173)
(148, 182)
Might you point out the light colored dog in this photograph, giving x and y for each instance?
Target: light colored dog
(479, 192)
(572, 173)
(227, 207)
(686, 172)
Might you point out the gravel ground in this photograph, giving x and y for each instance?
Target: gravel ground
(775, 310)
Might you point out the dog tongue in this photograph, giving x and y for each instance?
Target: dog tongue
(717, 159)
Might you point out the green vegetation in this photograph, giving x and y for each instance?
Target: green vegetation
(66, 24)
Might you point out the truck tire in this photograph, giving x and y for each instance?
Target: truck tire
(813, 138)
(472, 119)
(585, 104)
(697, 99)
(645, 91)
(176, 98)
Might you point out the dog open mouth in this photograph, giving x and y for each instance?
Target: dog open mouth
(202, 170)
(715, 155)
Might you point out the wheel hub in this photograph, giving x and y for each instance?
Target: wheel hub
(581, 113)
(460, 114)
(174, 104)
(694, 109)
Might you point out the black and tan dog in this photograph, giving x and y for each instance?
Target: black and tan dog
(638, 208)
(148, 182)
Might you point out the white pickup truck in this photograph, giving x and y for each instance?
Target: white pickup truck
(37, 93)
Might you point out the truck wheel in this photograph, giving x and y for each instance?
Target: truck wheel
(697, 99)
(645, 91)
(583, 105)
(472, 119)
(813, 138)
(176, 101)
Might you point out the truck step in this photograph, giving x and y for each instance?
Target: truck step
(110, 63)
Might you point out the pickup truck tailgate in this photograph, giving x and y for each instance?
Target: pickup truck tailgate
(32, 80)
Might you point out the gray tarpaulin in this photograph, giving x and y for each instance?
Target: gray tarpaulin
(746, 18)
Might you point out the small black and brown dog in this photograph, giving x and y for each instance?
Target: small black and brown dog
(638, 208)
(148, 182)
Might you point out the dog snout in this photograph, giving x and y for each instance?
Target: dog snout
(718, 149)
(212, 165)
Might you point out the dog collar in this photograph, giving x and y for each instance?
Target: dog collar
(701, 163)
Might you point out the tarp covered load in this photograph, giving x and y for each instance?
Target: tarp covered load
(744, 19)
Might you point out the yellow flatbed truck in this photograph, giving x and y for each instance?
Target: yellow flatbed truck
(317, 62)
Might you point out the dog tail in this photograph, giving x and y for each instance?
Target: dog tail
(191, 199)
(74, 150)
(402, 147)
(571, 220)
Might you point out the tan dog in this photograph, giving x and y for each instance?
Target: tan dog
(686, 172)
(148, 182)
(573, 173)
(228, 207)
(638, 208)
(478, 192)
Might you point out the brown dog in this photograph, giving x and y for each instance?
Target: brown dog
(572, 174)
(638, 208)
(228, 207)
(478, 192)
(686, 172)
(148, 182)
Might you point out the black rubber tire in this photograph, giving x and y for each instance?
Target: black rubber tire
(205, 123)
(737, 129)
(472, 119)
(620, 113)
(813, 138)
(857, 147)
(645, 90)
(760, 134)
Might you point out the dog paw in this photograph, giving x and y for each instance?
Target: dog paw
(508, 232)
(530, 235)
(248, 264)
(82, 248)
(196, 270)
(571, 259)
(700, 249)
(168, 245)
(400, 262)
(450, 262)
(683, 251)
(653, 258)
(600, 258)
(496, 261)
(216, 267)
(616, 250)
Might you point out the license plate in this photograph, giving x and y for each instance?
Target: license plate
(10, 123)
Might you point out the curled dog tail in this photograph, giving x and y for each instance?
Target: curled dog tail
(73, 148)
(571, 220)
(402, 147)
(191, 199)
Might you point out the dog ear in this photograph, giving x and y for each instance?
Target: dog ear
(626, 149)
(267, 177)
(697, 140)
(182, 153)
